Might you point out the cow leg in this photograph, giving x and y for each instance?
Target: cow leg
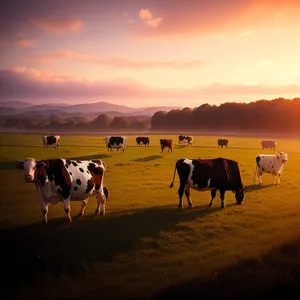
(45, 206)
(188, 196)
(222, 195)
(83, 206)
(100, 202)
(67, 207)
(260, 180)
(180, 193)
(213, 195)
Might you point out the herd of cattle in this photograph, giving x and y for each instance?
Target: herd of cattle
(77, 180)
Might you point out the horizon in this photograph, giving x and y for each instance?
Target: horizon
(141, 53)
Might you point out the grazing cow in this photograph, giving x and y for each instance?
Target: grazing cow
(268, 145)
(222, 142)
(115, 142)
(270, 163)
(166, 143)
(209, 174)
(66, 180)
(142, 140)
(51, 140)
(185, 139)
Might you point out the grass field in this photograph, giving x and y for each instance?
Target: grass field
(145, 247)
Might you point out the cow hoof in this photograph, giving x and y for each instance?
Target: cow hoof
(102, 213)
(191, 206)
(80, 215)
(222, 206)
(70, 221)
(44, 222)
(210, 204)
(180, 206)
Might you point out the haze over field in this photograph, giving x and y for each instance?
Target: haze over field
(142, 53)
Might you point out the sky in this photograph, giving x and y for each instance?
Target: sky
(142, 53)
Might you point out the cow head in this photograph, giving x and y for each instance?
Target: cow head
(240, 195)
(283, 156)
(29, 165)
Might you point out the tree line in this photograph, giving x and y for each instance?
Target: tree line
(280, 115)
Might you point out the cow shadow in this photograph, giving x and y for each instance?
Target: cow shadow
(257, 187)
(61, 249)
(148, 158)
(269, 276)
(90, 157)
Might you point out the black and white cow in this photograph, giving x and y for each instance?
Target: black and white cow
(51, 140)
(115, 142)
(66, 180)
(142, 140)
(209, 174)
(185, 139)
(270, 163)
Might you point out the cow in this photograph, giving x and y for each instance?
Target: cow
(115, 142)
(166, 143)
(185, 139)
(222, 142)
(66, 180)
(142, 140)
(272, 164)
(51, 140)
(209, 174)
(269, 145)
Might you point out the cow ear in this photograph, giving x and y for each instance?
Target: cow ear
(19, 165)
(41, 164)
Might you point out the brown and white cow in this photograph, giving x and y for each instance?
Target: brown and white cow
(222, 142)
(209, 174)
(166, 143)
(142, 140)
(51, 140)
(115, 142)
(268, 145)
(271, 164)
(66, 180)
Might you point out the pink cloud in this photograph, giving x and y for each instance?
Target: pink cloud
(198, 18)
(58, 25)
(115, 62)
(25, 43)
(23, 83)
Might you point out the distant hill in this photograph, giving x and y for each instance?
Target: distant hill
(18, 107)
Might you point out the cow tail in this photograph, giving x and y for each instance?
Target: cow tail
(172, 183)
(255, 173)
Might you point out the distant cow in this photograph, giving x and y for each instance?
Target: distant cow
(51, 140)
(166, 143)
(268, 145)
(272, 164)
(209, 174)
(66, 180)
(142, 140)
(222, 142)
(115, 142)
(185, 139)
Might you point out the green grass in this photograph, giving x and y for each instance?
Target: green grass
(145, 246)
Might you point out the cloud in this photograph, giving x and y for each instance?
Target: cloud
(23, 83)
(25, 43)
(115, 62)
(58, 25)
(148, 19)
(181, 19)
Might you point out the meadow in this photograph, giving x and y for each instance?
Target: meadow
(145, 247)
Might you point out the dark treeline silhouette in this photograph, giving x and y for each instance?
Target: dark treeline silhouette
(279, 115)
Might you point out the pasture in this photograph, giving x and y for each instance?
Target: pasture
(145, 247)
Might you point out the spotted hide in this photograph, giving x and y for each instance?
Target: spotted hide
(66, 180)
(51, 140)
(115, 142)
(209, 174)
(270, 163)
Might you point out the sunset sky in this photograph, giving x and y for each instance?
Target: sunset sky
(147, 53)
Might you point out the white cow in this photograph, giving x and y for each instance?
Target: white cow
(268, 145)
(272, 164)
(115, 142)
